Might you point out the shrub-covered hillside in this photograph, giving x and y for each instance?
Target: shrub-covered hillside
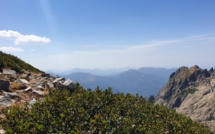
(86, 111)
(12, 62)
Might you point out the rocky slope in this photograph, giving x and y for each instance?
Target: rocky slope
(27, 87)
(21, 83)
(17, 89)
(190, 91)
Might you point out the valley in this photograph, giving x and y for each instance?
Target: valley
(144, 81)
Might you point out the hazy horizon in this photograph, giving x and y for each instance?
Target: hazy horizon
(63, 35)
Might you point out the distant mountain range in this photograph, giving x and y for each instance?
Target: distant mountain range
(100, 72)
(144, 81)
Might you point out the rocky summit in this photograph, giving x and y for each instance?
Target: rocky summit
(191, 92)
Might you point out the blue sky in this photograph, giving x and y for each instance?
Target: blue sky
(61, 35)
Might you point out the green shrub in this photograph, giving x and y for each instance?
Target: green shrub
(86, 111)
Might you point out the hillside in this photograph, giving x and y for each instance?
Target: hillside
(144, 81)
(24, 85)
(38, 103)
(14, 63)
(191, 92)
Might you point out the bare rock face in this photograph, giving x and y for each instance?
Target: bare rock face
(191, 92)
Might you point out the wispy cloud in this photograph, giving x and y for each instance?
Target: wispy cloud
(11, 49)
(159, 53)
(20, 39)
(185, 41)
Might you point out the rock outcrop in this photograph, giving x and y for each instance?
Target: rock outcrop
(63, 84)
(190, 91)
(28, 85)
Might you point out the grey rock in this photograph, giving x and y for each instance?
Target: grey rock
(38, 92)
(23, 81)
(50, 85)
(40, 87)
(12, 95)
(69, 85)
(10, 72)
(59, 85)
(5, 101)
(32, 102)
(28, 89)
(24, 75)
(40, 84)
(59, 80)
(66, 85)
(4, 85)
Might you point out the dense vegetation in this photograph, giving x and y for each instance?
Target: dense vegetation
(12, 62)
(86, 111)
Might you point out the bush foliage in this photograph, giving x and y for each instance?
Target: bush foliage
(86, 111)
(12, 62)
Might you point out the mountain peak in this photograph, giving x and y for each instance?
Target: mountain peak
(191, 92)
(191, 74)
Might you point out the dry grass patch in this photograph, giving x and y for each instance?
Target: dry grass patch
(17, 86)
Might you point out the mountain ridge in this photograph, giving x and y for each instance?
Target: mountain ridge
(144, 81)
